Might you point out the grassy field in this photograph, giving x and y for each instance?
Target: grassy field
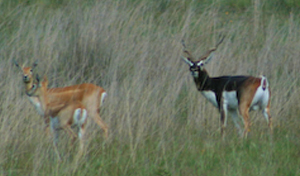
(159, 123)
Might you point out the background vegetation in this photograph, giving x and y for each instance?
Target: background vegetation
(159, 123)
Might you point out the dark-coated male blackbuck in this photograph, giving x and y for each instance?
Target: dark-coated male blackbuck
(232, 95)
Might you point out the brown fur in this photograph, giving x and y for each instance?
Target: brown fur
(64, 112)
(88, 94)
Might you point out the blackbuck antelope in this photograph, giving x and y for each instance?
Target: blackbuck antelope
(230, 94)
(90, 95)
(62, 116)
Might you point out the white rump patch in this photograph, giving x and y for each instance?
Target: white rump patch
(103, 95)
(262, 95)
(84, 115)
(79, 116)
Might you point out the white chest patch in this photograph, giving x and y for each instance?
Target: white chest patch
(211, 97)
(36, 103)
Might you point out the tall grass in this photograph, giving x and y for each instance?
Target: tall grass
(159, 123)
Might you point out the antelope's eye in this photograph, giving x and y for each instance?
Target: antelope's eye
(31, 70)
(33, 86)
(200, 64)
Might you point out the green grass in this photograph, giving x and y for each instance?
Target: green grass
(195, 155)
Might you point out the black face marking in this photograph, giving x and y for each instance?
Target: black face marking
(194, 69)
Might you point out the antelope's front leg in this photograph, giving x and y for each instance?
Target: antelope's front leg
(224, 113)
(53, 124)
(47, 122)
(266, 113)
(101, 123)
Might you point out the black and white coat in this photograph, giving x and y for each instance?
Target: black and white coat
(232, 95)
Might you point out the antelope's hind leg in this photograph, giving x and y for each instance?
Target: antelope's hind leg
(244, 111)
(81, 132)
(235, 118)
(267, 115)
(101, 123)
(224, 115)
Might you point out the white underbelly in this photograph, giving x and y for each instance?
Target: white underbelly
(260, 99)
(230, 99)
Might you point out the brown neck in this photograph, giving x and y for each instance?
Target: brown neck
(38, 93)
(28, 86)
(43, 98)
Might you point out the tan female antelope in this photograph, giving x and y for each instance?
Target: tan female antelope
(231, 94)
(90, 95)
(62, 116)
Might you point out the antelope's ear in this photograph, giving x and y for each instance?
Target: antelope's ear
(200, 63)
(34, 86)
(17, 64)
(38, 80)
(35, 64)
(45, 81)
(37, 77)
(186, 60)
